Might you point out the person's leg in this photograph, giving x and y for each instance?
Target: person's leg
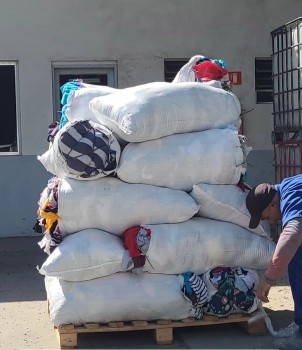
(295, 280)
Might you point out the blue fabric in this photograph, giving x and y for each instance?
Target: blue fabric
(295, 280)
(65, 90)
(220, 63)
(290, 191)
(187, 283)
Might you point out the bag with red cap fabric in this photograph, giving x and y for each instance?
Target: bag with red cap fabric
(209, 70)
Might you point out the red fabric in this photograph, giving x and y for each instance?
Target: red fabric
(209, 70)
(130, 244)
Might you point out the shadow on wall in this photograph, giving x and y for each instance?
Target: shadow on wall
(260, 167)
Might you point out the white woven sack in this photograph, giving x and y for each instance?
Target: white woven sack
(150, 111)
(226, 203)
(54, 162)
(119, 297)
(179, 161)
(199, 244)
(112, 205)
(78, 101)
(85, 255)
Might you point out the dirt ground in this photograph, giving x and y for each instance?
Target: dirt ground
(25, 324)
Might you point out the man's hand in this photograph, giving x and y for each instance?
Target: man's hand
(263, 290)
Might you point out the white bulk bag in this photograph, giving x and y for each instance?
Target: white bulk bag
(225, 203)
(112, 205)
(200, 244)
(56, 163)
(154, 110)
(77, 106)
(179, 161)
(85, 255)
(119, 297)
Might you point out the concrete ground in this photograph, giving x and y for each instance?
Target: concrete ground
(25, 324)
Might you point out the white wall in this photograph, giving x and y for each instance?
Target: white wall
(139, 35)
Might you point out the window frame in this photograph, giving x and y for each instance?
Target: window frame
(182, 62)
(82, 67)
(257, 88)
(15, 64)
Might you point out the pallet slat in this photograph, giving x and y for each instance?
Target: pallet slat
(163, 329)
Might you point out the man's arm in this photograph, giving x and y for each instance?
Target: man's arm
(289, 241)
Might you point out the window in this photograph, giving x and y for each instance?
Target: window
(8, 105)
(172, 67)
(102, 73)
(263, 80)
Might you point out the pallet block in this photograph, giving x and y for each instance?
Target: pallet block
(163, 329)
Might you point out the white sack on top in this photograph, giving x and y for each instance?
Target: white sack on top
(119, 297)
(179, 161)
(226, 203)
(153, 110)
(78, 101)
(112, 205)
(85, 255)
(199, 244)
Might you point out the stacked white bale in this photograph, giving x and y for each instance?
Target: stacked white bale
(179, 135)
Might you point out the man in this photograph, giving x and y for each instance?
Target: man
(282, 202)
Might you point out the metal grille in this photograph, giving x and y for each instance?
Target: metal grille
(287, 159)
(287, 76)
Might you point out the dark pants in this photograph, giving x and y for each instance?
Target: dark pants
(295, 280)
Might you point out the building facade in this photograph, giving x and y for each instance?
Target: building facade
(121, 43)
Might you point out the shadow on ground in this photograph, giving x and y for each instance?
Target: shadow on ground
(20, 280)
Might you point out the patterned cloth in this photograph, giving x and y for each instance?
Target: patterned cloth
(86, 150)
(195, 290)
(230, 290)
(47, 216)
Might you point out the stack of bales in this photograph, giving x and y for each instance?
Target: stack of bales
(175, 184)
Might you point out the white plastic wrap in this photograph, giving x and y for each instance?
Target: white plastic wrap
(78, 100)
(119, 297)
(199, 244)
(226, 203)
(179, 161)
(112, 205)
(85, 255)
(151, 111)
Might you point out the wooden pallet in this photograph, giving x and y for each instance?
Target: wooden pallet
(163, 329)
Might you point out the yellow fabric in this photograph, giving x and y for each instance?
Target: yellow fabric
(49, 217)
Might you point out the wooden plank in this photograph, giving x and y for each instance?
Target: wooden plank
(66, 328)
(188, 320)
(139, 324)
(91, 325)
(257, 327)
(163, 336)
(115, 324)
(67, 340)
(162, 322)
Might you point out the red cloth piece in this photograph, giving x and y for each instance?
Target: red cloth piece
(209, 70)
(129, 237)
